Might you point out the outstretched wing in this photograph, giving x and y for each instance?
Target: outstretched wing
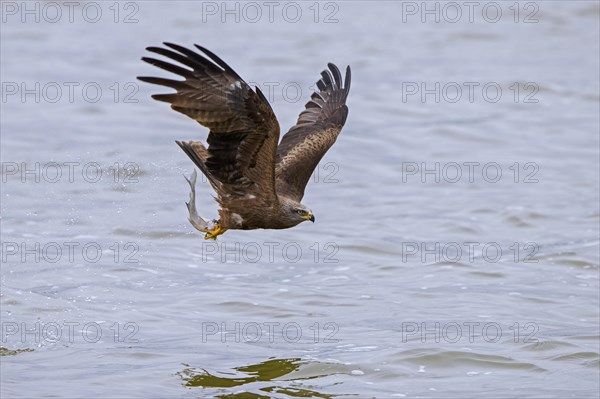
(242, 143)
(317, 128)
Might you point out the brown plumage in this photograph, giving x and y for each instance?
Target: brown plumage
(259, 184)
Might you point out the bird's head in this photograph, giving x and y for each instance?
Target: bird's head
(295, 212)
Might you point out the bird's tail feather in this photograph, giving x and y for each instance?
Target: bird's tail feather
(198, 154)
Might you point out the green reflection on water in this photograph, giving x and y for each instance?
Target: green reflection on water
(297, 392)
(266, 371)
(7, 352)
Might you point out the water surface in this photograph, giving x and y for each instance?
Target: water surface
(414, 282)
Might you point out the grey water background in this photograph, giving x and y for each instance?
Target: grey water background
(397, 290)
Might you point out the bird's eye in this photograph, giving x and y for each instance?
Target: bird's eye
(300, 212)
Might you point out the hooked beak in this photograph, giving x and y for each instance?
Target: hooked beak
(311, 217)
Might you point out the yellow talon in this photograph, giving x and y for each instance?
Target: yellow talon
(214, 233)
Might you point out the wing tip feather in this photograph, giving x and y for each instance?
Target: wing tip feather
(348, 79)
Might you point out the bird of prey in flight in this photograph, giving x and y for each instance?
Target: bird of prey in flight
(259, 182)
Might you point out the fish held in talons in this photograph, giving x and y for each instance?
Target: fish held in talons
(196, 220)
(211, 228)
